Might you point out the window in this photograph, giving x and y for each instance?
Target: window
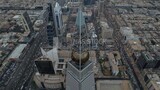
(61, 60)
(43, 85)
(57, 19)
(60, 66)
(59, 71)
(125, 38)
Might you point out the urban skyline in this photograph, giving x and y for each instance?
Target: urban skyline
(79, 45)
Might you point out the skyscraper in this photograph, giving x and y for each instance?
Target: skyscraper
(50, 26)
(73, 0)
(80, 74)
(28, 25)
(58, 19)
(89, 2)
(50, 33)
(50, 67)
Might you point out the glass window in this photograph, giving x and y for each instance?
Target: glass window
(57, 21)
(59, 71)
(60, 66)
(61, 60)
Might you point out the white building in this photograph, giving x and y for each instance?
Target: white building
(94, 40)
(51, 68)
(80, 79)
(80, 74)
(127, 34)
(58, 19)
(113, 63)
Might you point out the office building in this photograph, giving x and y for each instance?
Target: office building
(80, 75)
(51, 32)
(147, 60)
(73, 0)
(27, 24)
(58, 19)
(51, 68)
(50, 10)
(89, 2)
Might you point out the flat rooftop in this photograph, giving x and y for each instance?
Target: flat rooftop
(17, 51)
(113, 85)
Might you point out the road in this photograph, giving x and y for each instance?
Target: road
(126, 59)
(25, 68)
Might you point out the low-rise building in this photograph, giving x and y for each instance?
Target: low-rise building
(133, 46)
(152, 81)
(107, 33)
(113, 63)
(126, 33)
(113, 85)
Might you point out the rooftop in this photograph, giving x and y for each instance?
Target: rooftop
(112, 62)
(155, 81)
(148, 56)
(136, 45)
(17, 52)
(114, 85)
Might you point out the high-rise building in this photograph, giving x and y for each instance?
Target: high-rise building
(80, 75)
(80, 79)
(58, 19)
(50, 10)
(89, 2)
(28, 25)
(73, 0)
(51, 32)
(146, 60)
(50, 69)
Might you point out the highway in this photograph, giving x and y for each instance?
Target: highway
(25, 68)
(125, 58)
(130, 72)
(18, 8)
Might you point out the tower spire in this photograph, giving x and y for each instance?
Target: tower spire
(80, 37)
(77, 78)
(80, 50)
(80, 20)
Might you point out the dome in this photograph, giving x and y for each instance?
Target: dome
(76, 57)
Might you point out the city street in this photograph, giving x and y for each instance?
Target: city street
(120, 46)
(25, 69)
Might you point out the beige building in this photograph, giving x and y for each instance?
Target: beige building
(49, 81)
(153, 81)
(113, 63)
(106, 31)
(113, 85)
(133, 46)
(54, 60)
(59, 59)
